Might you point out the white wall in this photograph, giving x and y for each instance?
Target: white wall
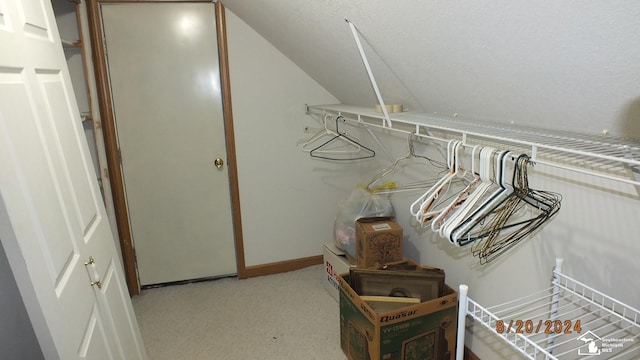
(596, 232)
(569, 65)
(562, 65)
(288, 200)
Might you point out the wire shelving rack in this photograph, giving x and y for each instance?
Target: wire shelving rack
(569, 320)
(601, 155)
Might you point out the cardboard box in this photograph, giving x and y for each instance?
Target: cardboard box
(378, 241)
(422, 331)
(335, 262)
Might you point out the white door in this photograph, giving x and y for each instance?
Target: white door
(52, 219)
(165, 85)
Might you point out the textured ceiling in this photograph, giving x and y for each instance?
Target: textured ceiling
(570, 65)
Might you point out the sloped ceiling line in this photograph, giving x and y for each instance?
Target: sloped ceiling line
(564, 65)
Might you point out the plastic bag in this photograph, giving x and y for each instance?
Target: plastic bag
(360, 203)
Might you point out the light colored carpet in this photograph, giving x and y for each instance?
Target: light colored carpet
(282, 316)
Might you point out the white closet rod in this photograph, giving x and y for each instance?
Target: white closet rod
(587, 151)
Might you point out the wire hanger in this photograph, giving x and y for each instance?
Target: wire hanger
(501, 233)
(494, 215)
(323, 151)
(376, 184)
(481, 198)
(312, 142)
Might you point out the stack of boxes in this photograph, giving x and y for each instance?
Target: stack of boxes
(378, 242)
(405, 330)
(335, 263)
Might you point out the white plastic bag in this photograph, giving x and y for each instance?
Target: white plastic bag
(360, 203)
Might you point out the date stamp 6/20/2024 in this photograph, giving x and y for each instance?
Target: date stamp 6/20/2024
(539, 326)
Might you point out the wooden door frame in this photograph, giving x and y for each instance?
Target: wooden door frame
(116, 178)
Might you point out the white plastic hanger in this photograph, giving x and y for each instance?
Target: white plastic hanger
(427, 208)
(486, 182)
(429, 212)
(429, 196)
(454, 232)
(462, 195)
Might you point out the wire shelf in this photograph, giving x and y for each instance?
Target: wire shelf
(610, 157)
(569, 320)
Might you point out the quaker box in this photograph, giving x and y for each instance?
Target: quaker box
(378, 241)
(335, 262)
(422, 331)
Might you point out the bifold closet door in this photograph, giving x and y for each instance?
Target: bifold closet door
(165, 85)
(53, 224)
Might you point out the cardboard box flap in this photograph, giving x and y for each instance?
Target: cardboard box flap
(372, 225)
(449, 298)
(375, 219)
(421, 331)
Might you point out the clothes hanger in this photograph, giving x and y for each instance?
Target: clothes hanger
(500, 245)
(426, 200)
(462, 195)
(394, 186)
(453, 230)
(499, 234)
(319, 151)
(414, 208)
(487, 206)
(493, 221)
(428, 210)
(487, 182)
(311, 143)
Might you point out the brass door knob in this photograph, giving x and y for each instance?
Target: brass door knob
(218, 163)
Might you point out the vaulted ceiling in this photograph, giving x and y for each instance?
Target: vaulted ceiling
(569, 65)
